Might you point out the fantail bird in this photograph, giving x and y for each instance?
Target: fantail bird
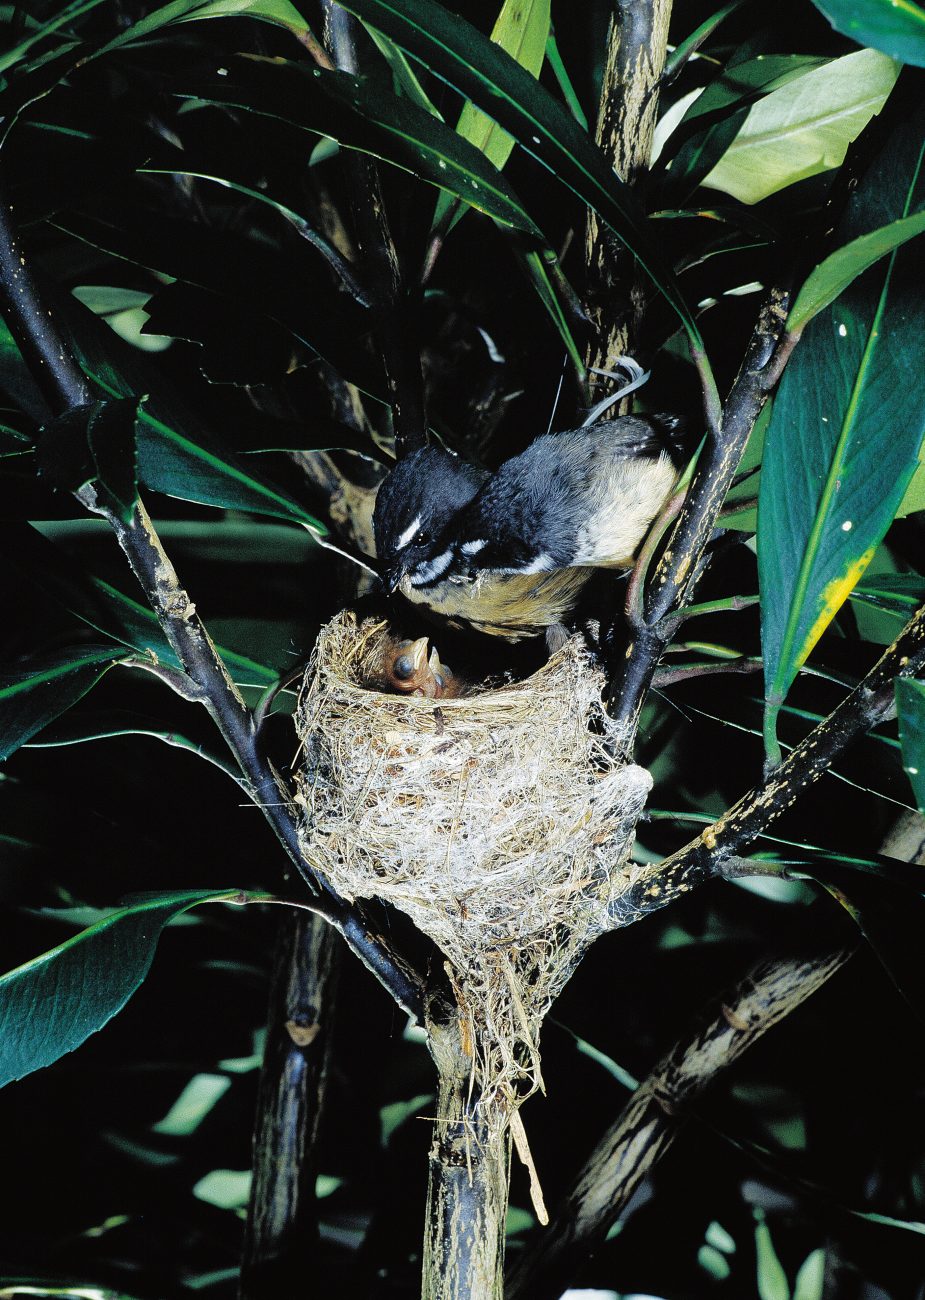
(509, 553)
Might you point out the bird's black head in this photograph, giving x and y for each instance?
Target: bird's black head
(414, 505)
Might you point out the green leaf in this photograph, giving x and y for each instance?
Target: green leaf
(40, 689)
(104, 607)
(193, 1105)
(359, 114)
(899, 594)
(201, 470)
(228, 1189)
(910, 704)
(67, 15)
(175, 454)
(712, 119)
(111, 438)
(522, 29)
(534, 265)
(184, 11)
(805, 127)
(495, 83)
(394, 1115)
(253, 283)
(79, 728)
(406, 79)
(833, 275)
(124, 312)
(895, 26)
(810, 1279)
(772, 1280)
(682, 52)
(560, 72)
(55, 1002)
(914, 498)
(845, 430)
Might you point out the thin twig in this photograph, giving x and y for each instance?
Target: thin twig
(668, 676)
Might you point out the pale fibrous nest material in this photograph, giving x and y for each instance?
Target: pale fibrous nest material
(496, 821)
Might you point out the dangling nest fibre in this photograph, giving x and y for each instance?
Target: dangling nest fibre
(496, 821)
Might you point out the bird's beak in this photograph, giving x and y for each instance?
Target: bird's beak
(391, 578)
(418, 652)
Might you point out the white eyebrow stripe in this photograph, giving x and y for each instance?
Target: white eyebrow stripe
(425, 573)
(472, 548)
(409, 532)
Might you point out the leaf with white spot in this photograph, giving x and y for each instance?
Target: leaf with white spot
(846, 429)
(910, 704)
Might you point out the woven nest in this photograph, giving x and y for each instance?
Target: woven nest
(496, 821)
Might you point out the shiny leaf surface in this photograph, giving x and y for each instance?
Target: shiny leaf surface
(37, 691)
(832, 276)
(895, 26)
(845, 430)
(521, 30)
(360, 115)
(910, 703)
(496, 84)
(805, 127)
(52, 1004)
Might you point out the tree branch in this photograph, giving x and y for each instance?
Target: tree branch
(282, 1232)
(656, 1112)
(63, 385)
(636, 48)
(870, 703)
(468, 1175)
(44, 351)
(395, 334)
(679, 566)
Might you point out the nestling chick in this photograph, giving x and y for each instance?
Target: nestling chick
(409, 671)
(508, 554)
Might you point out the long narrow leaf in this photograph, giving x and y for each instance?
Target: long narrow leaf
(522, 29)
(832, 276)
(55, 1002)
(105, 608)
(67, 15)
(845, 431)
(910, 703)
(179, 11)
(362, 116)
(495, 83)
(175, 455)
(86, 726)
(40, 690)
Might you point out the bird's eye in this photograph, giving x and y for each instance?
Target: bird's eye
(403, 667)
(423, 538)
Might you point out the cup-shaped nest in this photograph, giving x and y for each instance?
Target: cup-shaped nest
(496, 821)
